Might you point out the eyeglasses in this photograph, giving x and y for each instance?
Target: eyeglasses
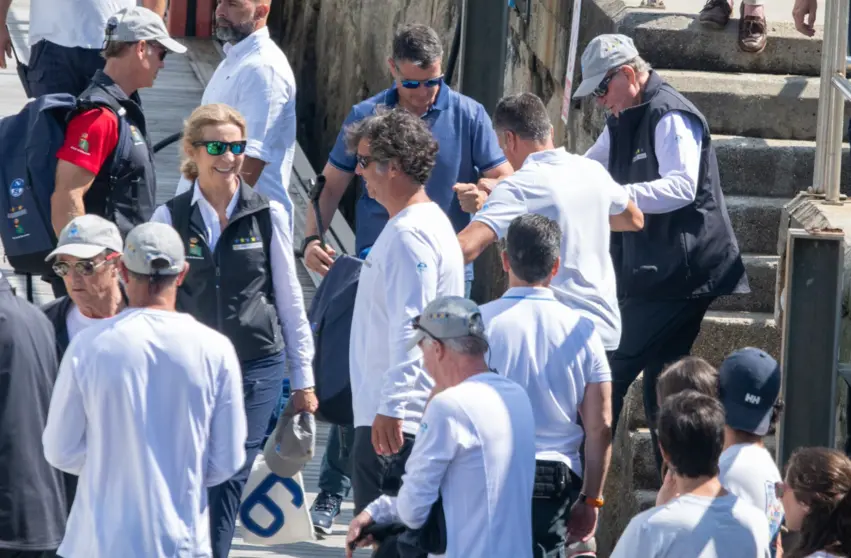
(364, 160)
(161, 51)
(86, 268)
(603, 88)
(416, 83)
(216, 148)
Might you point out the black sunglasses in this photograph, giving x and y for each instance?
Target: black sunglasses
(216, 148)
(603, 88)
(364, 160)
(86, 268)
(162, 50)
(416, 83)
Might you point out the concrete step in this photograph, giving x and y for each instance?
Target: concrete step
(753, 105)
(721, 333)
(762, 275)
(755, 222)
(769, 167)
(676, 40)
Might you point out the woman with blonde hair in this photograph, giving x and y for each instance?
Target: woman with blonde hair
(242, 281)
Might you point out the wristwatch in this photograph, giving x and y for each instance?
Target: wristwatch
(593, 502)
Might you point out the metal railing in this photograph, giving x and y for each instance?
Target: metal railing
(834, 91)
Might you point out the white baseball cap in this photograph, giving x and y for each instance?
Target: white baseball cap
(132, 25)
(87, 236)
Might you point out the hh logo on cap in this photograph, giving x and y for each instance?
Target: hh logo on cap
(752, 399)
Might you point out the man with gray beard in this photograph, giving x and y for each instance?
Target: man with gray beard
(256, 79)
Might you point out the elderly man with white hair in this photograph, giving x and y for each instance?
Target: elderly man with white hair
(475, 448)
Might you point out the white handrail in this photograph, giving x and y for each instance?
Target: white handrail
(834, 90)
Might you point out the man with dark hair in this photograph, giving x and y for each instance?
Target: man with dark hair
(573, 191)
(749, 390)
(704, 521)
(468, 150)
(114, 127)
(557, 356)
(657, 144)
(169, 422)
(415, 259)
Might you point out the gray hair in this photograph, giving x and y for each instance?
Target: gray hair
(418, 44)
(397, 135)
(525, 115)
(640, 65)
(469, 345)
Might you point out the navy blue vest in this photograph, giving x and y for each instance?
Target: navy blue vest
(127, 198)
(686, 253)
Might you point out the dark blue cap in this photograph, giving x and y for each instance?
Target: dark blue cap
(749, 383)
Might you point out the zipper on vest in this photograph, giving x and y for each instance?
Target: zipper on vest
(218, 290)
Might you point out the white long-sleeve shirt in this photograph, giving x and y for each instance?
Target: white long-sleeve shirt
(289, 301)
(476, 448)
(678, 141)
(256, 79)
(415, 259)
(148, 411)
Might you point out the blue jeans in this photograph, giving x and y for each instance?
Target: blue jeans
(261, 385)
(335, 473)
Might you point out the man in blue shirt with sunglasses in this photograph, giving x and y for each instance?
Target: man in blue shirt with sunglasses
(468, 150)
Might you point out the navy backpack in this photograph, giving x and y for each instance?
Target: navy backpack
(29, 142)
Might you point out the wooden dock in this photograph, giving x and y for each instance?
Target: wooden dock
(177, 92)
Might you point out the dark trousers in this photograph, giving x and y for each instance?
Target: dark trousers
(335, 472)
(57, 69)
(261, 384)
(654, 334)
(373, 474)
(549, 521)
(6, 553)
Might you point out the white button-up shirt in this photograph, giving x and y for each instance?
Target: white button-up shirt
(148, 411)
(256, 79)
(289, 300)
(73, 23)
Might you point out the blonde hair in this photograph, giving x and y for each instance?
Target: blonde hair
(193, 130)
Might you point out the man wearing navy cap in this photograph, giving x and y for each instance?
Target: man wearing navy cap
(749, 389)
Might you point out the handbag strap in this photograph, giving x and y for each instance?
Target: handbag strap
(12, 44)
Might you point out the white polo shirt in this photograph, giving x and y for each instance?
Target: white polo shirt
(415, 259)
(554, 353)
(73, 23)
(580, 195)
(475, 448)
(256, 79)
(148, 411)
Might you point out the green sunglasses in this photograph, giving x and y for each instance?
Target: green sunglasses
(217, 148)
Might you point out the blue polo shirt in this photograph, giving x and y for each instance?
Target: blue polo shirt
(467, 147)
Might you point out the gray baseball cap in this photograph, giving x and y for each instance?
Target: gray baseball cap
(132, 25)
(292, 444)
(154, 249)
(603, 54)
(448, 317)
(87, 236)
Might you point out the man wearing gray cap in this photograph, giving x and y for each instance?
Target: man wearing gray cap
(475, 448)
(106, 165)
(86, 258)
(657, 144)
(148, 411)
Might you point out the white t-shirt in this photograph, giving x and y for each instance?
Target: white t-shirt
(475, 447)
(553, 352)
(749, 472)
(415, 259)
(823, 554)
(148, 411)
(76, 322)
(73, 23)
(256, 79)
(697, 527)
(580, 195)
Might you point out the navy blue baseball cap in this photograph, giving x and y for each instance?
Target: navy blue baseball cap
(749, 384)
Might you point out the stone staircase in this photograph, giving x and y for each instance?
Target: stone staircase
(762, 111)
